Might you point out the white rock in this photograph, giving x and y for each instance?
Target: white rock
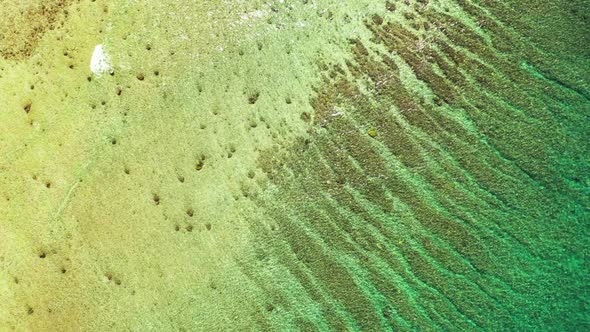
(100, 62)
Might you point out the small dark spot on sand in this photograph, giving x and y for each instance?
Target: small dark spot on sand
(253, 98)
(199, 165)
(377, 19)
(305, 117)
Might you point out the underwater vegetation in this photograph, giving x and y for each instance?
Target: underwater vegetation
(304, 165)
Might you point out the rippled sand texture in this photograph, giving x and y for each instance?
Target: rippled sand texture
(294, 165)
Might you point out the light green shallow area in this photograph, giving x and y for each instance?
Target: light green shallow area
(294, 165)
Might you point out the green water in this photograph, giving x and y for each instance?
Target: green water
(295, 166)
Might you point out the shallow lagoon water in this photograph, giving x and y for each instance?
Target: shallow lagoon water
(294, 165)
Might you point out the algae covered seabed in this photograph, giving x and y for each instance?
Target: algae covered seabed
(305, 165)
